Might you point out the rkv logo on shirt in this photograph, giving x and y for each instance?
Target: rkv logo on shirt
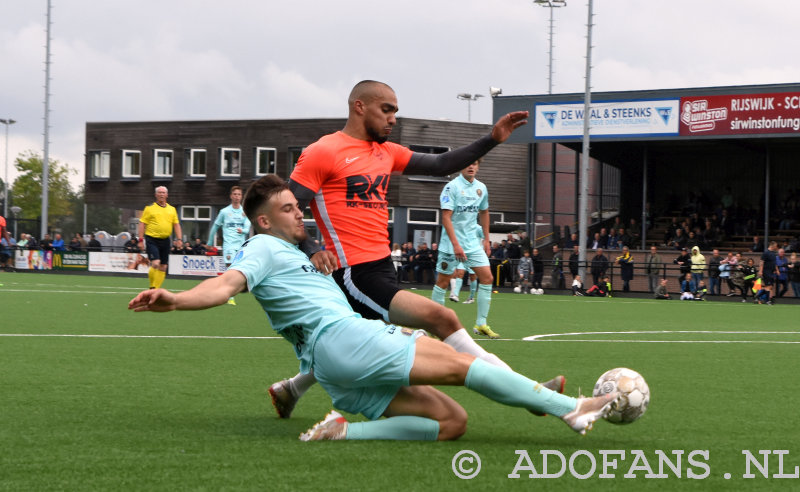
(366, 188)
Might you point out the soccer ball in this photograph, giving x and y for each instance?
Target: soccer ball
(533, 291)
(518, 289)
(537, 292)
(634, 394)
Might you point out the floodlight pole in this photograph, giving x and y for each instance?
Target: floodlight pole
(8, 122)
(465, 96)
(46, 160)
(587, 106)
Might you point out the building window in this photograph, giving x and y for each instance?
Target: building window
(99, 163)
(162, 163)
(391, 215)
(196, 212)
(265, 160)
(230, 162)
(195, 160)
(294, 155)
(423, 216)
(131, 164)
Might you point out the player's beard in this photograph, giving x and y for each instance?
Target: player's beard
(375, 136)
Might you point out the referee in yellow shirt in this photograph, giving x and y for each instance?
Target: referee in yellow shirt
(155, 226)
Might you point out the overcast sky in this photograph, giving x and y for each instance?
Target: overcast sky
(195, 59)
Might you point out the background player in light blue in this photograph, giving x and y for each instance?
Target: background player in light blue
(235, 228)
(366, 366)
(465, 201)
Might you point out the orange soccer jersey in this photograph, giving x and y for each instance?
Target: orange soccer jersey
(350, 178)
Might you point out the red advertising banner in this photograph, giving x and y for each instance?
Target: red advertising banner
(742, 114)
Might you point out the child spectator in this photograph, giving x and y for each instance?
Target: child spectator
(525, 271)
(661, 291)
(577, 286)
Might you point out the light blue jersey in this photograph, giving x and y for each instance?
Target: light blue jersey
(230, 220)
(465, 199)
(282, 279)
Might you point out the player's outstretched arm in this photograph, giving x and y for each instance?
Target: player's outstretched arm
(458, 159)
(209, 293)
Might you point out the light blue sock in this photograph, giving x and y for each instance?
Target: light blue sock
(484, 301)
(457, 288)
(473, 286)
(510, 388)
(438, 294)
(403, 428)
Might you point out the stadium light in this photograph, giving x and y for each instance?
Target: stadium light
(495, 91)
(466, 96)
(551, 4)
(8, 122)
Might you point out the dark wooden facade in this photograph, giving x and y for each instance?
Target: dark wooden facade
(504, 169)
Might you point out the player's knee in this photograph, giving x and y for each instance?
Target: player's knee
(454, 425)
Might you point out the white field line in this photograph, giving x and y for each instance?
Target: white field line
(67, 335)
(547, 337)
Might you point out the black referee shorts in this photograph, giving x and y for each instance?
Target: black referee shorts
(369, 287)
(157, 249)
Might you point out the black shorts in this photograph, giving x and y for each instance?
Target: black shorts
(369, 287)
(767, 279)
(157, 249)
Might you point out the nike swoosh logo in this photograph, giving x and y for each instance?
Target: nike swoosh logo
(350, 159)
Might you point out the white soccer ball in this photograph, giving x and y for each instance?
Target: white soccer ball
(518, 289)
(533, 291)
(633, 390)
(540, 292)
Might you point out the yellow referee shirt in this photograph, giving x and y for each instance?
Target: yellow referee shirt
(158, 220)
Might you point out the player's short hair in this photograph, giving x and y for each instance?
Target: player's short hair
(236, 187)
(364, 88)
(259, 193)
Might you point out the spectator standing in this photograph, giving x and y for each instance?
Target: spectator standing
(794, 273)
(525, 272)
(652, 268)
(598, 266)
(538, 269)
(74, 243)
(132, 245)
(714, 263)
(557, 275)
(423, 264)
(94, 244)
(46, 244)
(698, 265)
(684, 261)
(23, 241)
(625, 262)
(726, 268)
(58, 243)
(397, 257)
(575, 261)
(782, 280)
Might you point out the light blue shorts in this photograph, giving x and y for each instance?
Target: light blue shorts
(362, 364)
(461, 266)
(448, 263)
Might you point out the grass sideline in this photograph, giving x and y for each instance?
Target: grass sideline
(129, 413)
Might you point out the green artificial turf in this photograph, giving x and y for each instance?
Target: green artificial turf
(136, 411)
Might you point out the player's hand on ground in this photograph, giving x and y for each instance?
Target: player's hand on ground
(506, 125)
(324, 261)
(158, 300)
